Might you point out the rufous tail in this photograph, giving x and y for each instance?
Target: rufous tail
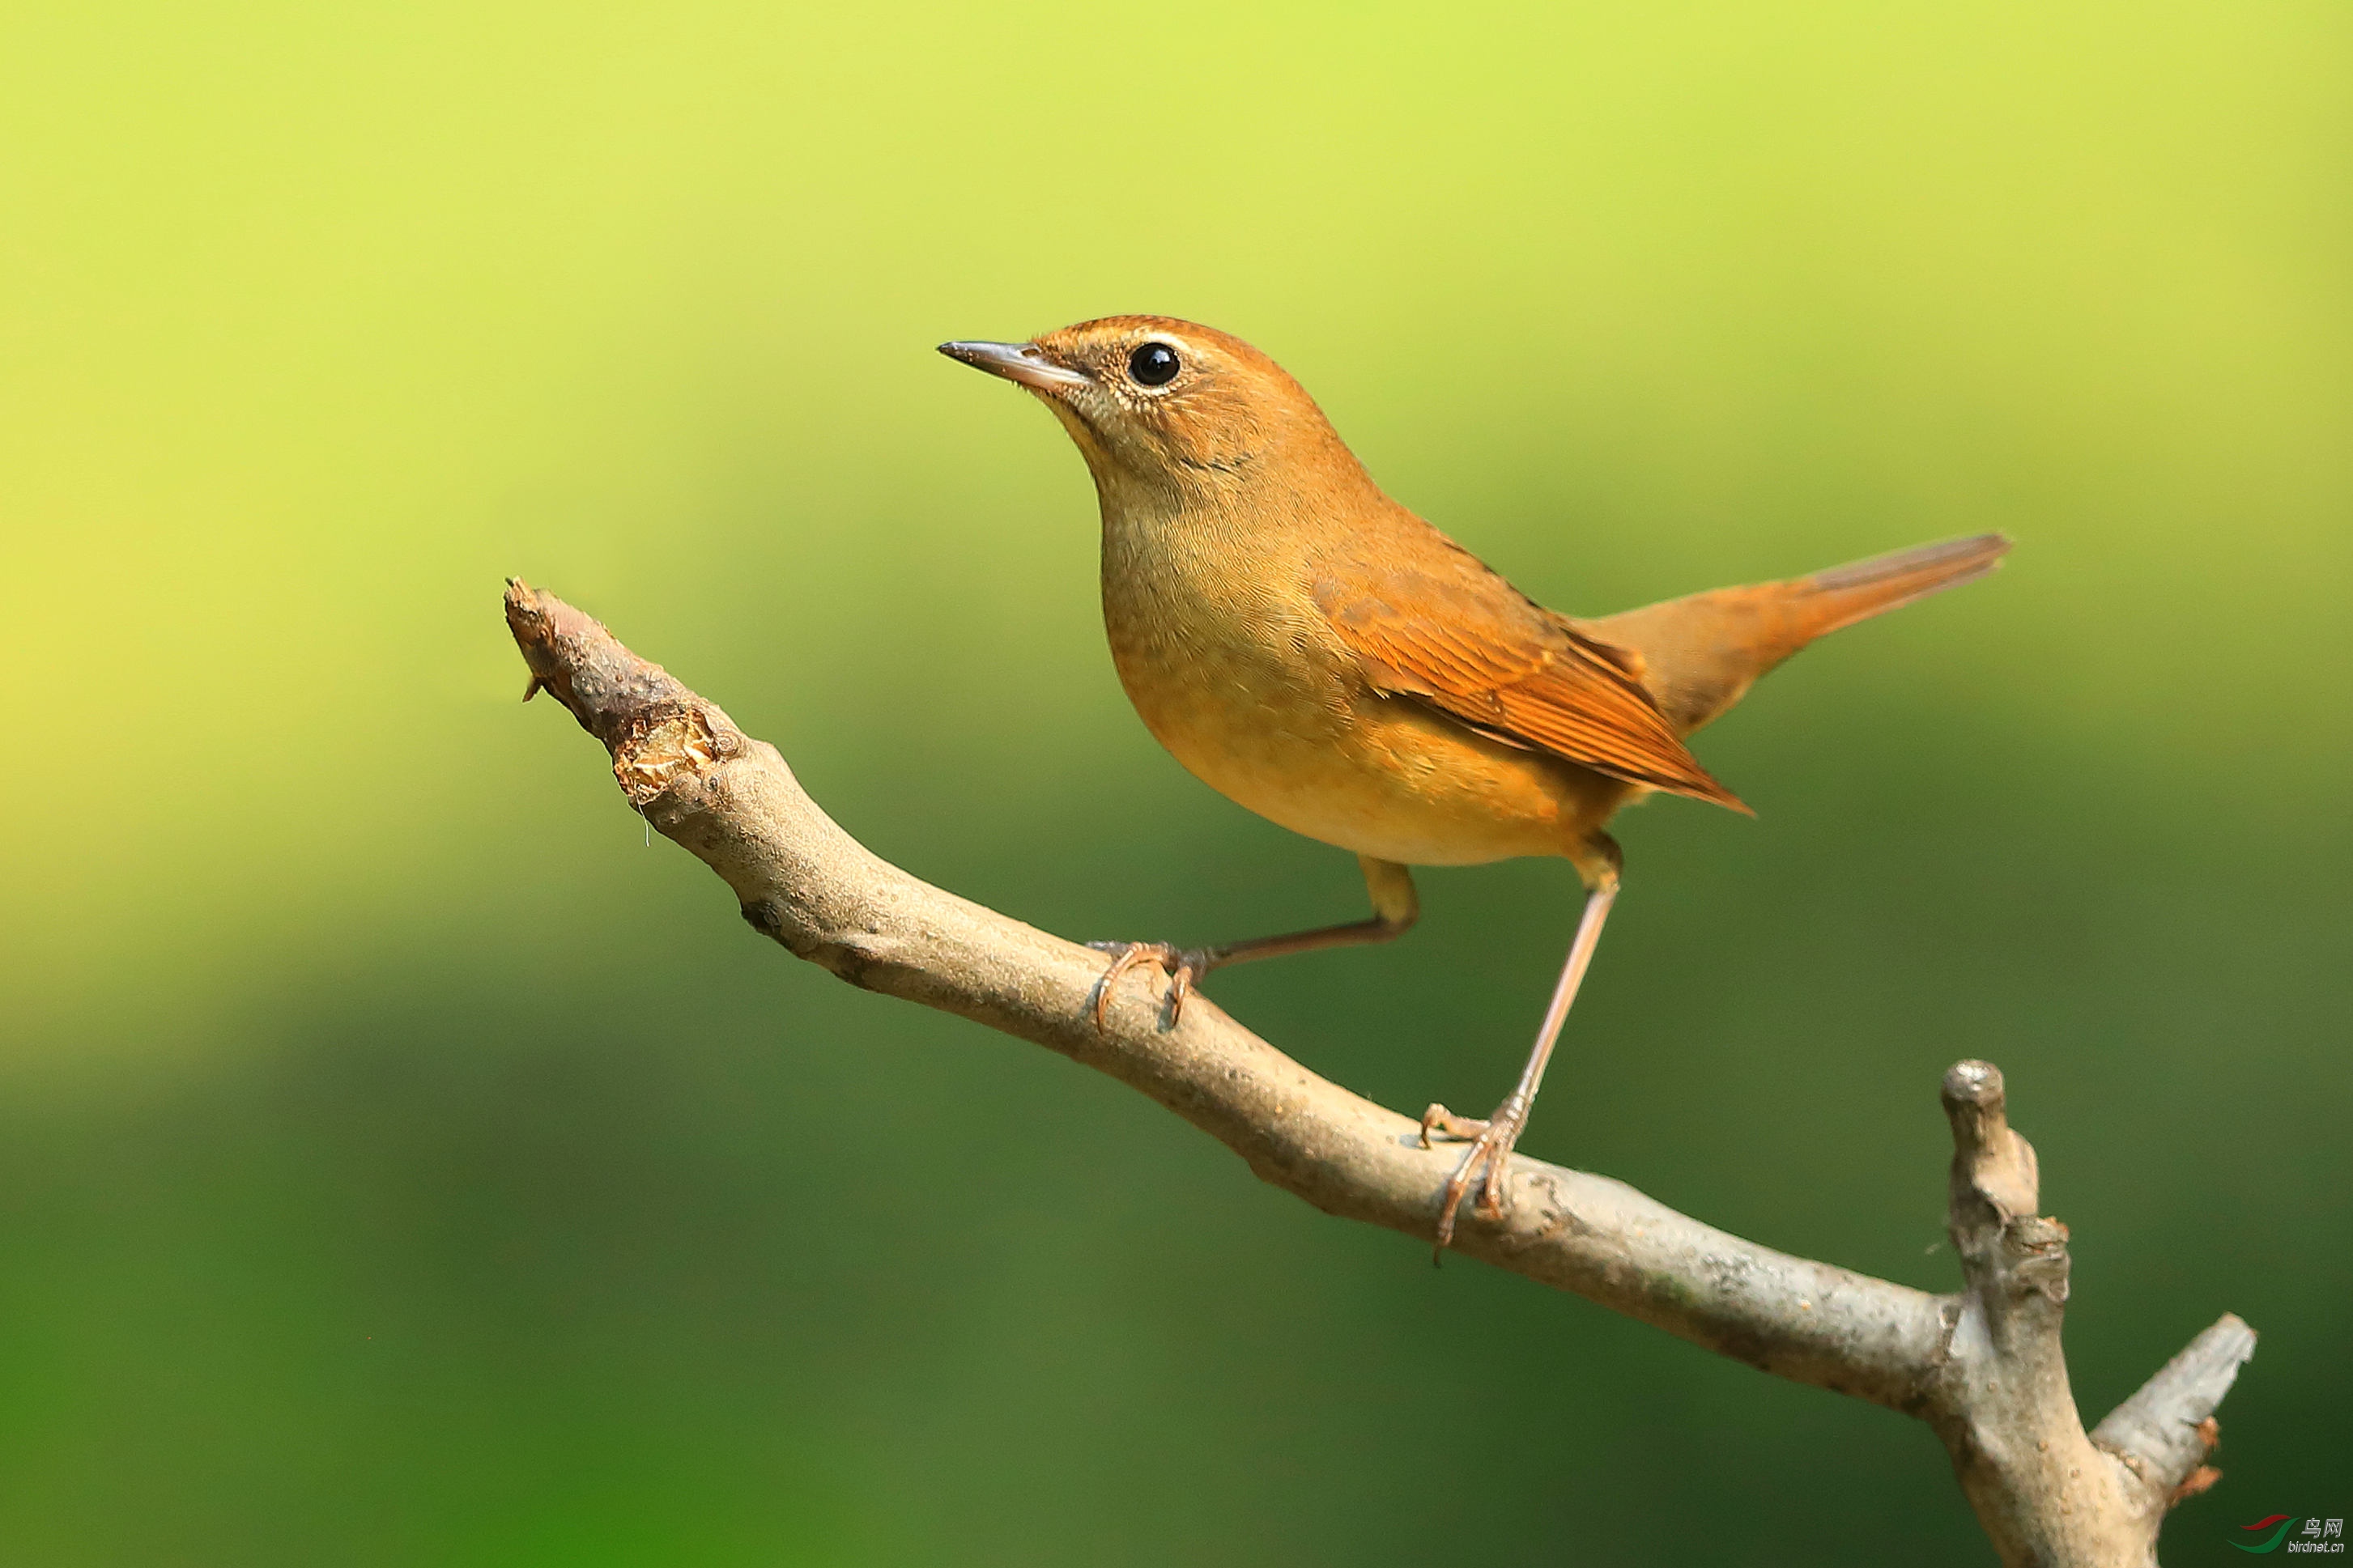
(1844, 595)
(1701, 654)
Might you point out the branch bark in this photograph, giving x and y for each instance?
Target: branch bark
(1982, 1367)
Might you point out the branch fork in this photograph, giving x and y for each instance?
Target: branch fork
(1982, 1367)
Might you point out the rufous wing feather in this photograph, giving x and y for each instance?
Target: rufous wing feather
(1470, 646)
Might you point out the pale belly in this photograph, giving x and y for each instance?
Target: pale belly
(1378, 775)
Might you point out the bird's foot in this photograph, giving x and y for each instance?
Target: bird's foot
(1491, 1152)
(1182, 965)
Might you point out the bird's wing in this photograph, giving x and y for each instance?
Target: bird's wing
(1451, 634)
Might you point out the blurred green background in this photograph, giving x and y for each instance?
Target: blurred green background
(401, 1162)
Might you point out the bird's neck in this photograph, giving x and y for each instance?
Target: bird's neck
(1275, 506)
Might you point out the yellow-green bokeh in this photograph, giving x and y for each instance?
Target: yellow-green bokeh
(403, 1164)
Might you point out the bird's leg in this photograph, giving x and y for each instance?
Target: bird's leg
(1492, 1140)
(1396, 907)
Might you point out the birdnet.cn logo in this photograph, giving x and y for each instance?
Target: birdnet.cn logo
(2281, 1531)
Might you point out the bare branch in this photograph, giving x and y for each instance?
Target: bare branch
(2044, 1491)
(2004, 1408)
(1983, 1368)
(2165, 1431)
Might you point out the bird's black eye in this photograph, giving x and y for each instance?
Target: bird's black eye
(1154, 364)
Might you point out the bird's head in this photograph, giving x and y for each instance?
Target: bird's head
(1166, 405)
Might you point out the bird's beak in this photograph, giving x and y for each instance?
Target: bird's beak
(1025, 362)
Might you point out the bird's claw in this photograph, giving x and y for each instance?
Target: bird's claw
(1182, 965)
(1490, 1150)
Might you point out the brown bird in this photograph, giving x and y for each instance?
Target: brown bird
(1312, 649)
